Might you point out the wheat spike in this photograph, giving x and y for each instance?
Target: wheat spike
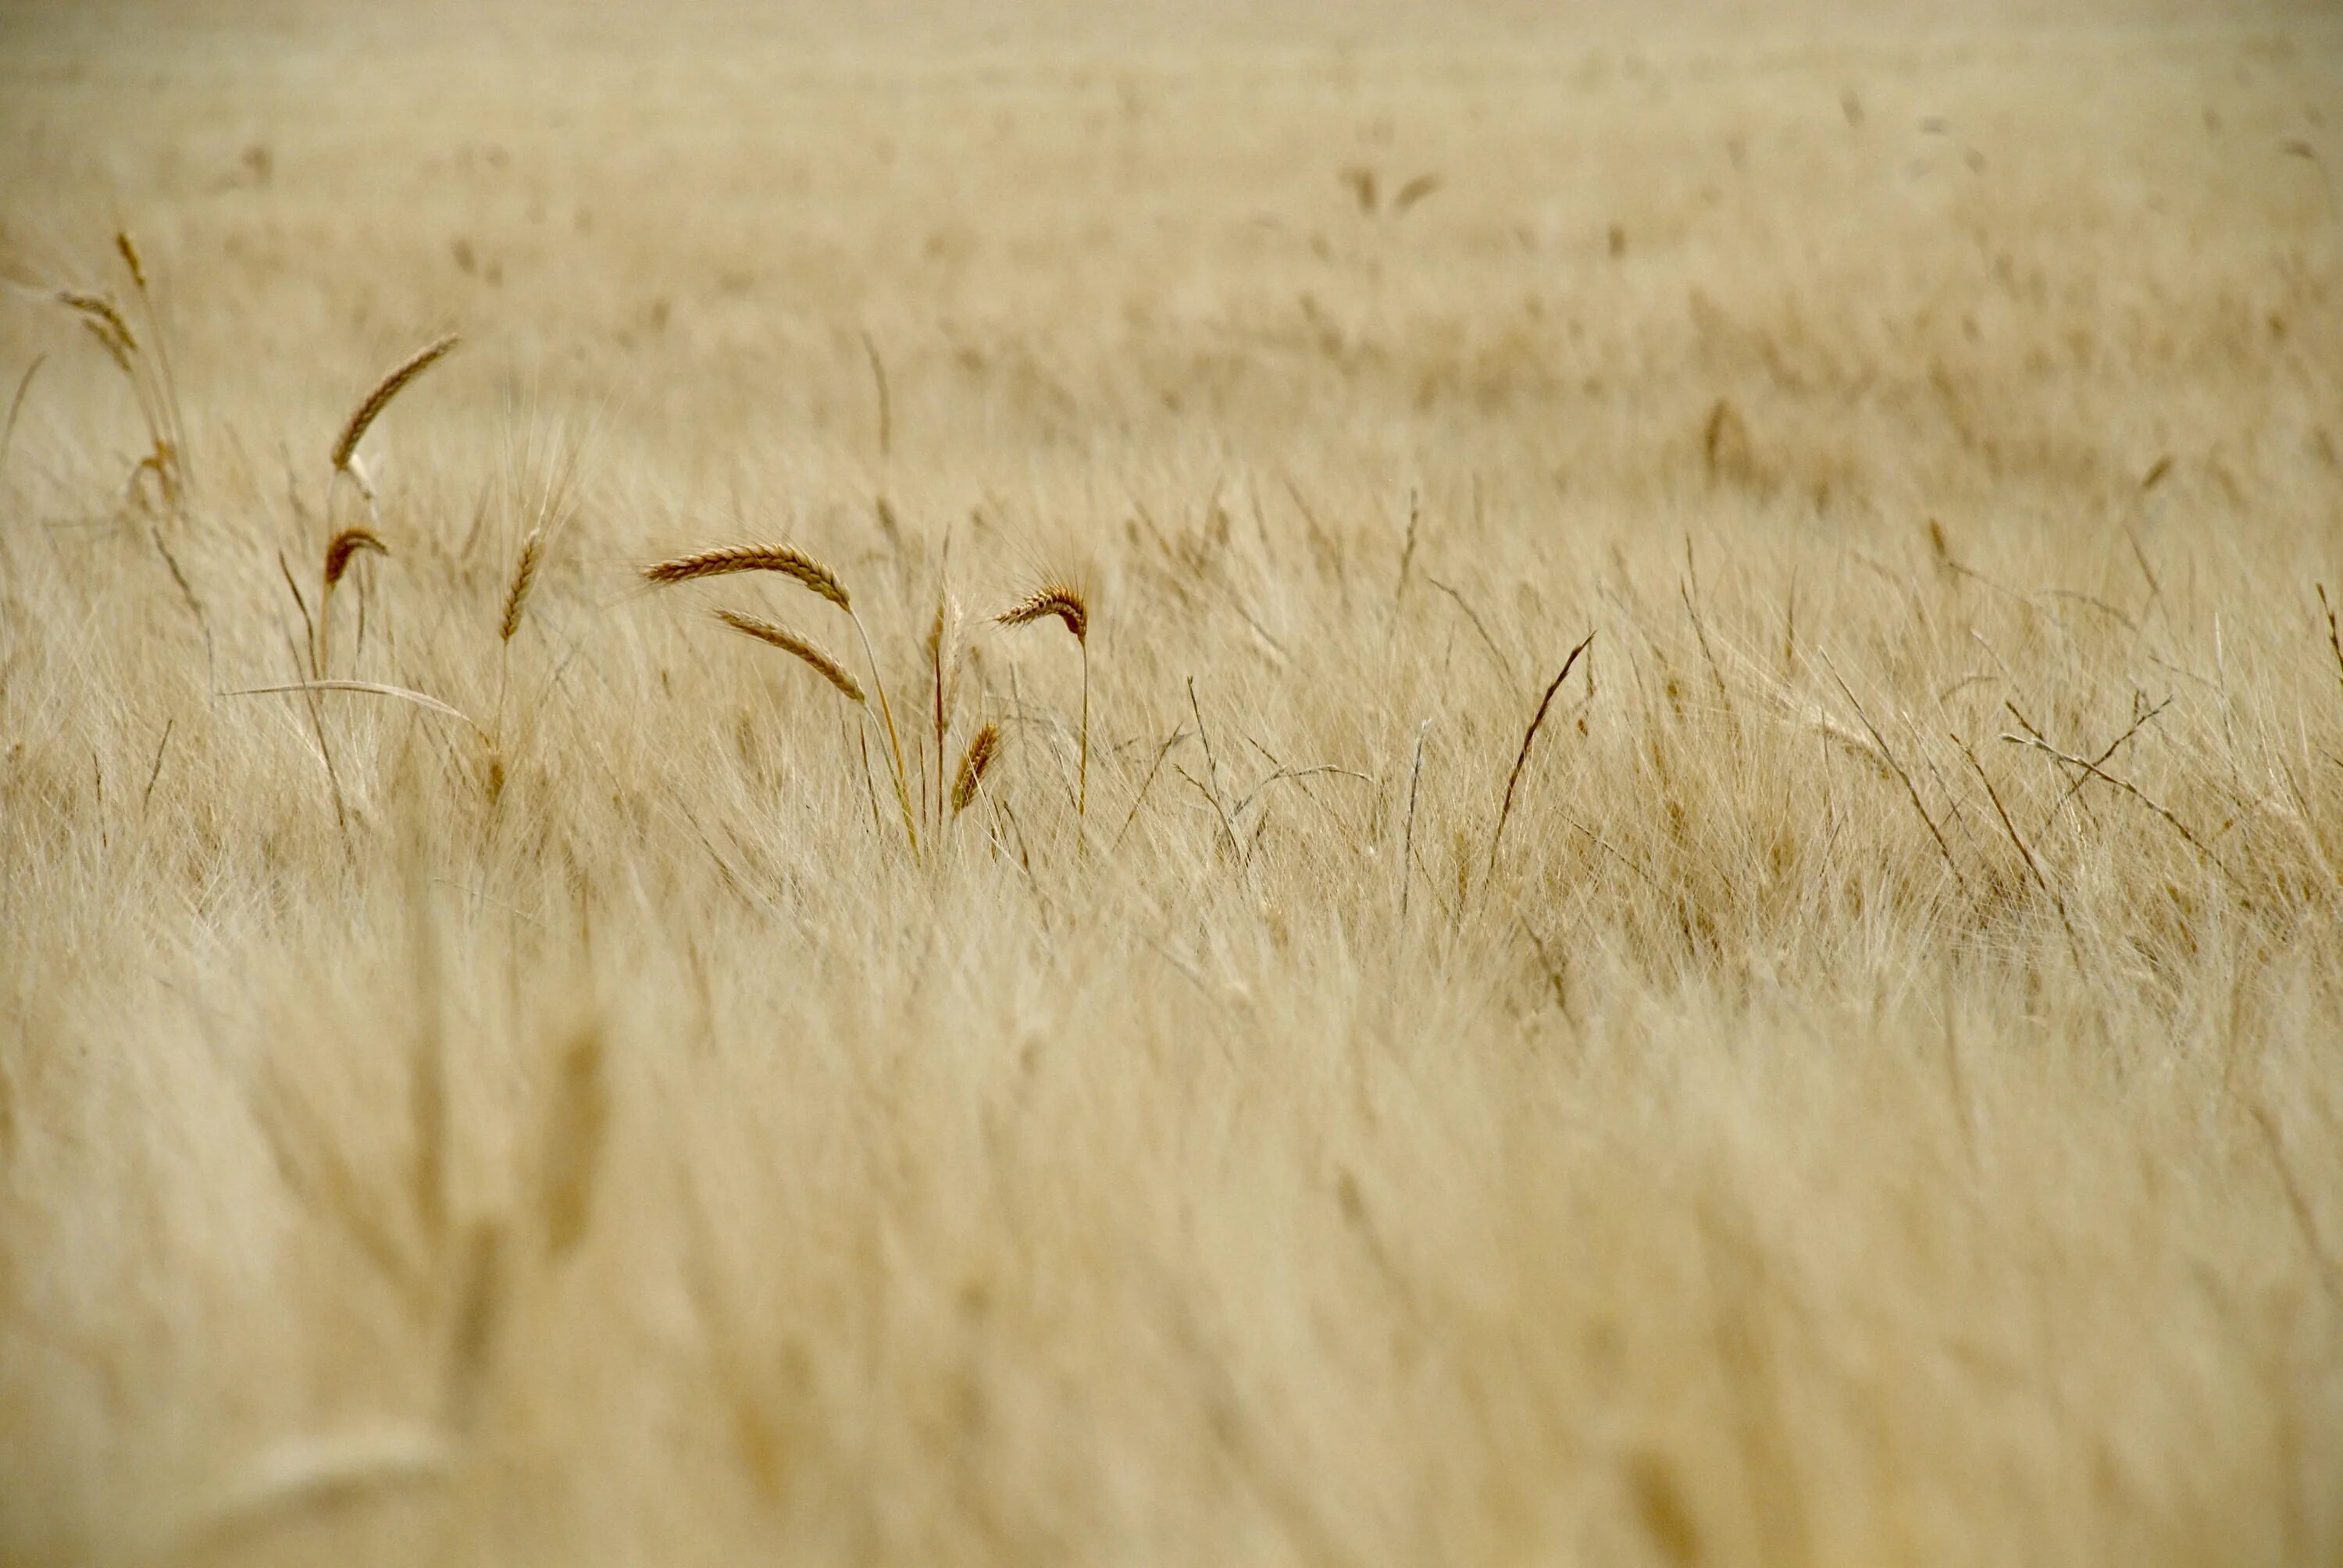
(524, 579)
(130, 259)
(105, 318)
(112, 345)
(972, 764)
(717, 563)
(345, 545)
(1063, 600)
(1060, 599)
(788, 642)
(389, 387)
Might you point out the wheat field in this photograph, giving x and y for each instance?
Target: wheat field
(1234, 1062)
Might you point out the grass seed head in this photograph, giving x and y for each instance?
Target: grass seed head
(1060, 599)
(972, 763)
(389, 387)
(524, 579)
(791, 563)
(345, 545)
(788, 642)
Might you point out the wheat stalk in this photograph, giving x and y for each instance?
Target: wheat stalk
(972, 763)
(791, 563)
(1513, 779)
(372, 688)
(935, 648)
(1060, 599)
(129, 254)
(1064, 602)
(339, 551)
(790, 642)
(105, 320)
(345, 545)
(346, 446)
(524, 579)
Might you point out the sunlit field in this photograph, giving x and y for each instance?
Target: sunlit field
(1467, 789)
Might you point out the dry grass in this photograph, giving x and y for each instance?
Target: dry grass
(1855, 1082)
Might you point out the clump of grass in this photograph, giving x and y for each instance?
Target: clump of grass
(1065, 603)
(344, 546)
(146, 363)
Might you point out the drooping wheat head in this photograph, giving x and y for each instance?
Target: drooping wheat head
(339, 551)
(790, 642)
(1064, 602)
(344, 546)
(1060, 599)
(791, 563)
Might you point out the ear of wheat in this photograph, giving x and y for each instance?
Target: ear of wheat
(790, 642)
(346, 446)
(129, 254)
(972, 764)
(105, 318)
(1063, 601)
(524, 579)
(791, 563)
(1060, 599)
(339, 551)
(346, 545)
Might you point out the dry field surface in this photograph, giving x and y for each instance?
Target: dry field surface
(498, 1066)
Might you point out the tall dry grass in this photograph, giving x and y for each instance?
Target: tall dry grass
(1847, 1075)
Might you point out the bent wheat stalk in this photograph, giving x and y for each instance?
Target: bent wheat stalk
(339, 551)
(1064, 602)
(791, 563)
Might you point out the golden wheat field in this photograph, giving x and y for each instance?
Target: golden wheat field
(894, 872)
